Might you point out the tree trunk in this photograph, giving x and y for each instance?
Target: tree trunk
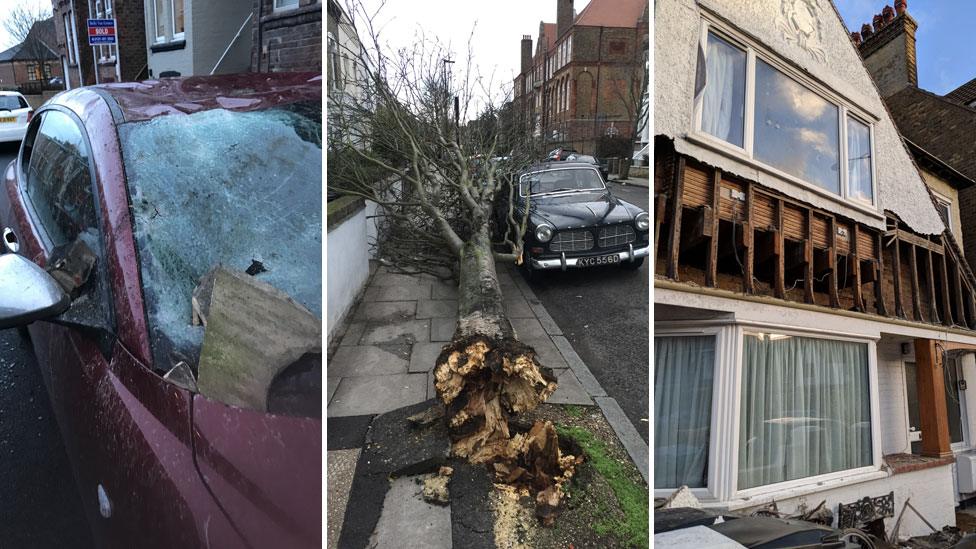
(485, 375)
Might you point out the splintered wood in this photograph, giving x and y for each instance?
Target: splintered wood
(483, 382)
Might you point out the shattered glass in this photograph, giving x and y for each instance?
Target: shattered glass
(230, 188)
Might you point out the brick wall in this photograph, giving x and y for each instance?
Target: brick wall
(967, 211)
(131, 23)
(287, 40)
(132, 38)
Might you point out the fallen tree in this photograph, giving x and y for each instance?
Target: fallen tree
(397, 139)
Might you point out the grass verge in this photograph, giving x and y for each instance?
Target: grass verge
(631, 496)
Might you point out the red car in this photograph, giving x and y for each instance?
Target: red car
(122, 198)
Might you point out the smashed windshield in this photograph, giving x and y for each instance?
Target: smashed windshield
(565, 179)
(237, 189)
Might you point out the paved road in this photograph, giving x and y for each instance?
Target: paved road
(39, 502)
(604, 313)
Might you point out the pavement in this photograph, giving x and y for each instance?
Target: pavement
(634, 181)
(384, 362)
(40, 507)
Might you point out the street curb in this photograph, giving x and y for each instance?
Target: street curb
(622, 427)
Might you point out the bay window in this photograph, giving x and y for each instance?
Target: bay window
(806, 408)
(683, 374)
(752, 106)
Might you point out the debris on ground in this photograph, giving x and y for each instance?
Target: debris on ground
(436, 487)
(427, 417)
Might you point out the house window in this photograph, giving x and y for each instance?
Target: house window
(176, 7)
(781, 121)
(103, 10)
(795, 129)
(944, 205)
(46, 69)
(69, 39)
(805, 408)
(159, 21)
(32, 74)
(683, 372)
(724, 101)
(285, 4)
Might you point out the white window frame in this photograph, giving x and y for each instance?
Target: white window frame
(157, 39)
(939, 197)
(723, 454)
(285, 5)
(745, 153)
(172, 20)
(69, 39)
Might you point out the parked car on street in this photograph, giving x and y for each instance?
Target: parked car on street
(122, 198)
(15, 114)
(574, 219)
(560, 153)
(586, 159)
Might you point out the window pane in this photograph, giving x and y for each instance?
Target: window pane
(178, 17)
(723, 106)
(160, 14)
(859, 160)
(683, 369)
(58, 179)
(953, 403)
(796, 130)
(806, 408)
(944, 210)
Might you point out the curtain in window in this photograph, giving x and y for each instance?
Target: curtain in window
(859, 160)
(683, 370)
(805, 408)
(724, 101)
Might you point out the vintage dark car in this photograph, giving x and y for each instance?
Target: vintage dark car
(574, 219)
(122, 198)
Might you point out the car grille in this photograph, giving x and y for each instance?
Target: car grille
(616, 235)
(572, 241)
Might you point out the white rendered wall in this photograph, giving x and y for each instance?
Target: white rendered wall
(347, 268)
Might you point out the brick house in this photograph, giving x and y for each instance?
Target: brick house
(287, 36)
(813, 312)
(578, 84)
(123, 62)
(30, 65)
(941, 126)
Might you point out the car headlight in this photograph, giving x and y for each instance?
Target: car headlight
(642, 221)
(543, 233)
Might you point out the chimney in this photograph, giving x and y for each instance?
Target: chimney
(564, 16)
(526, 54)
(888, 49)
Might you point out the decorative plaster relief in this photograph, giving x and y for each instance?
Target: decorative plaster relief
(800, 23)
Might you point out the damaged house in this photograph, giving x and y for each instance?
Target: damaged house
(815, 316)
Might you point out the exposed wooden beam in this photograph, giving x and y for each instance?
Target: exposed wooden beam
(916, 294)
(879, 293)
(858, 297)
(779, 286)
(896, 272)
(808, 260)
(748, 235)
(947, 318)
(711, 264)
(933, 299)
(906, 236)
(832, 261)
(701, 227)
(957, 294)
(934, 415)
(660, 210)
(674, 237)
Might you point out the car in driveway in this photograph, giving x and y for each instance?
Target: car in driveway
(122, 200)
(574, 220)
(15, 114)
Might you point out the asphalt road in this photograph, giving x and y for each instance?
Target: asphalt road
(39, 502)
(603, 311)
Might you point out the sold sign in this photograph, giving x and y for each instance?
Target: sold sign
(101, 32)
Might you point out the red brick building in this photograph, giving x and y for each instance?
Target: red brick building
(123, 62)
(30, 66)
(580, 82)
(287, 36)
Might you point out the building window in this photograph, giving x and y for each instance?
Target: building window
(103, 10)
(46, 69)
(683, 372)
(176, 7)
(944, 205)
(805, 408)
(285, 4)
(796, 130)
(723, 106)
(32, 74)
(778, 120)
(159, 21)
(69, 38)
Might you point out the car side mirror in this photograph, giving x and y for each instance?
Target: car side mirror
(27, 292)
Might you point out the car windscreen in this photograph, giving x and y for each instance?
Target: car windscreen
(12, 103)
(558, 180)
(238, 189)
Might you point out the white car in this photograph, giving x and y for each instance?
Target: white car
(15, 113)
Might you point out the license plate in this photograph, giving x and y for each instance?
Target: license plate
(8, 119)
(598, 260)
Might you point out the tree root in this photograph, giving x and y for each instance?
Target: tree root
(483, 382)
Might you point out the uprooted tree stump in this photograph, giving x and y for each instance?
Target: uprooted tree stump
(485, 376)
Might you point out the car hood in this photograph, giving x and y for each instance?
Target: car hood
(264, 469)
(581, 209)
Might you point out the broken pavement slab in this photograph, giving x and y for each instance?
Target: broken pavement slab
(409, 521)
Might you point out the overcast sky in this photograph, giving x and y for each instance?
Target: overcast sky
(5, 39)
